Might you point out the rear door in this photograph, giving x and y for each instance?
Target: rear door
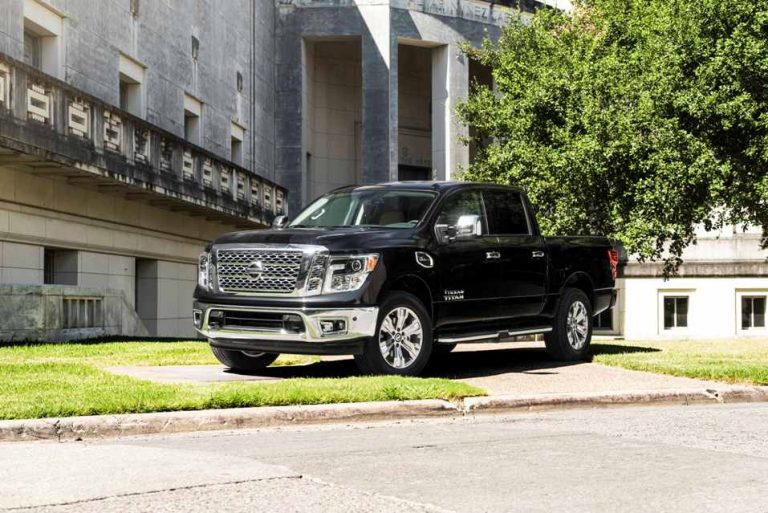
(468, 276)
(522, 254)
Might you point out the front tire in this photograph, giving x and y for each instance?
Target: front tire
(571, 333)
(242, 361)
(403, 340)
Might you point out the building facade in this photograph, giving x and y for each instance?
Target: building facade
(721, 291)
(132, 132)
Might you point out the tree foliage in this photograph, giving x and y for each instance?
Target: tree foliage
(637, 119)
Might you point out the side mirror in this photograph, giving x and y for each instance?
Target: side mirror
(443, 233)
(280, 222)
(468, 227)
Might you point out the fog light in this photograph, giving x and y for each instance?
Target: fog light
(333, 326)
(197, 316)
(216, 319)
(292, 323)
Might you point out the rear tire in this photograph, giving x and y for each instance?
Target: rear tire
(240, 361)
(403, 340)
(571, 333)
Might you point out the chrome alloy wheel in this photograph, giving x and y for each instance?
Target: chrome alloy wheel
(577, 325)
(400, 337)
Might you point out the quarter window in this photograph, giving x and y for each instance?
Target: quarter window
(506, 213)
(675, 312)
(752, 312)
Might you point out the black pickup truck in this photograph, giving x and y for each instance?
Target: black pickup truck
(397, 272)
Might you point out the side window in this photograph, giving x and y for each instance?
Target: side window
(462, 204)
(506, 213)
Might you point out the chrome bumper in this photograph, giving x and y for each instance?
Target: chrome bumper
(360, 323)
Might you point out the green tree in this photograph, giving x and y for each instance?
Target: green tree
(637, 119)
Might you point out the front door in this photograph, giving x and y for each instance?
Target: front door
(468, 269)
(523, 256)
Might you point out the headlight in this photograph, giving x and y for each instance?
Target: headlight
(348, 272)
(203, 270)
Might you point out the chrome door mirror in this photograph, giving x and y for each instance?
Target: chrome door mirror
(280, 222)
(468, 227)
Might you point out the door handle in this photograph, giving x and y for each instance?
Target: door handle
(537, 254)
(492, 255)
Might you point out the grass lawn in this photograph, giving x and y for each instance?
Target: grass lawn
(740, 361)
(68, 379)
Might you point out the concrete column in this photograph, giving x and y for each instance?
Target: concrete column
(379, 68)
(440, 113)
(163, 292)
(289, 153)
(458, 86)
(450, 84)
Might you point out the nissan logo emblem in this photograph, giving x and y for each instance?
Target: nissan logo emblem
(255, 270)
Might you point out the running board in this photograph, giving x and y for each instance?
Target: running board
(490, 337)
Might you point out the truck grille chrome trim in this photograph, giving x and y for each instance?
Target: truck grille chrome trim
(269, 270)
(229, 322)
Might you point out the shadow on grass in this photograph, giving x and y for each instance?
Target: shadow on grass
(621, 349)
(98, 340)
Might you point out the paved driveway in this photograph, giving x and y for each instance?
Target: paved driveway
(501, 369)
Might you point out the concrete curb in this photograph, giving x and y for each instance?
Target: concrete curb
(110, 426)
(589, 400)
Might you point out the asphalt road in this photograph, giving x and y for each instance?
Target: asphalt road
(681, 459)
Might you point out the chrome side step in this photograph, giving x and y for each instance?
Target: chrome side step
(490, 337)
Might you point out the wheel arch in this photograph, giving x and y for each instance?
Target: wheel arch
(580, 280)
(413, 285)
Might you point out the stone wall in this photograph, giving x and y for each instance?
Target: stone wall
(48, 313)
(110, 239)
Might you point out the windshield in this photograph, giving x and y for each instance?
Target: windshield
(366, 207)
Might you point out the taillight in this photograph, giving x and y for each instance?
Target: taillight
(613, 258)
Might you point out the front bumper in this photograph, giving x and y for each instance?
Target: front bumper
(360, 325)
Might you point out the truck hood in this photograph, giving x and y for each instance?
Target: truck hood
(345, 238)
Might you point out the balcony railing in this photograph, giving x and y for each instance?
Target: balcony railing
(47, 122)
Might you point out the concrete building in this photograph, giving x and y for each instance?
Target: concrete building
(134, 131)
(721, 292)
(131, 133)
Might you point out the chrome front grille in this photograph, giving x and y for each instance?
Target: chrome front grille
(254, 271)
